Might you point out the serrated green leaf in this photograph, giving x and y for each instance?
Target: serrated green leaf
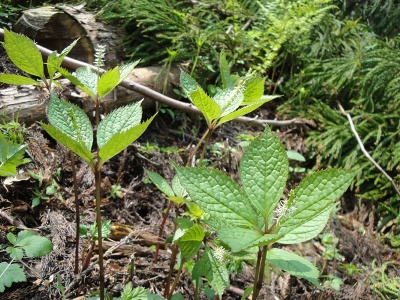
(160, 183)
(188, 84)
(71, 121)
(294, 265)
(245, 110)
(229, 100)
(88, 77)
(23, 52)
(75, 81)
(107, 82)
(215, 272)
(55, 60)
(138, 293)
(217, 194)
(263, 171)
(122, 140)
(254, 90)
(10, 273)
(205, 104)
(227, 82)
(307, 230)
(118, 121)
(17, 79)
(238, 238)
(126, 70)
(74, 146)
(177, 187)
(191, 241)
(313, 196)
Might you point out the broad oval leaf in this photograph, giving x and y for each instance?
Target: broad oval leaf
(229, 100)
(160, 183)
(263, 171)
(205, 104)
(307, 230)
(188, 84)
(74, 80)
(237, 238)
(71, 144)
(294, 265)
(23, 52)
(108, 81)
(122, 140)
(217, 194)
(126, 70)
(245, 110)
(118, 121)
(17, 79)
(88, 77)
(71, 121)
(191, 241)
(254, 90)
(313, 196)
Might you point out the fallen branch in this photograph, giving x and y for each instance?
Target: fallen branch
(367, 155)
(145, 91)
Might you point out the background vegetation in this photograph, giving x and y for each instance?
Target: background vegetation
(316, 53)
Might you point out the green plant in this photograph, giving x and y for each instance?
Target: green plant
(25, 242)
(383, 285)
(249, 219)
(130, 293)
(330, 242)
(44, 193)
(11, 156)
(333, 282)
(69, 124)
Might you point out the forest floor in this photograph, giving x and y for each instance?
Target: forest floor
(355, 254)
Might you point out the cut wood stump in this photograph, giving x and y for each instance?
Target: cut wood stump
(56, 28)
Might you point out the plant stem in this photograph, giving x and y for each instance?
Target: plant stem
(207, 140)
(162, 225)
(178, 275)
(171, 268)
(77, 217)
(197, 147)
(99, 233)
(259, 276)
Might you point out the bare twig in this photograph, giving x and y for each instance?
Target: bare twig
(145, 91)
(367, 155)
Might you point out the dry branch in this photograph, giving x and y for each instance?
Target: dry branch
(367, 155)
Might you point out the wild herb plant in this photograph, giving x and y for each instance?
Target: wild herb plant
(69, 124)
(25, 242)
(250, 218)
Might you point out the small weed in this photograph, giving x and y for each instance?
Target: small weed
(26, 244)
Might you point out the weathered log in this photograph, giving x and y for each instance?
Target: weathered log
(56, 27)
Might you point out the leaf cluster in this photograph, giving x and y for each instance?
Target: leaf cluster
(26, 243)
(252, 215)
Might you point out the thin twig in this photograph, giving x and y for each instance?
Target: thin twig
(148, 92)
(367, 155)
